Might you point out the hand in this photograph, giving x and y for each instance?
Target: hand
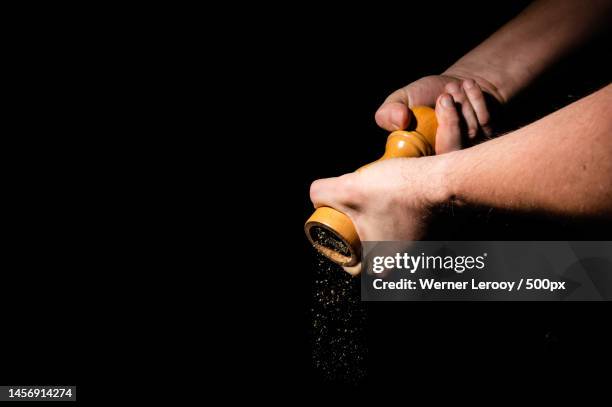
(389, 200)
(463, 108)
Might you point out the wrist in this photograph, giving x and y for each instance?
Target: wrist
(440, 191)
(492, 80)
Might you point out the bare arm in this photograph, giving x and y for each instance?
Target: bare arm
(501, 66)
(522, 49)
(561, 164)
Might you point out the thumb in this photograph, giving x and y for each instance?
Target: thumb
(394, 114)
(448, 136)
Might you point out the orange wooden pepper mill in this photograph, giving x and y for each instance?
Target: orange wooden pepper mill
(327, 224)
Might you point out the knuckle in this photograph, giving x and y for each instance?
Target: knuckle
(349, 191)
(397, 96)
(346, 186)
(452, 87)
(476, 92)
(451, 118)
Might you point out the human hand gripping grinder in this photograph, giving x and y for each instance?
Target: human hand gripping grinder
(332, 232)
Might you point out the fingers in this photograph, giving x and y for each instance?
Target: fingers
(477, 100)
(448, 136)
(394, 114)
(467, 111)
(471, 101)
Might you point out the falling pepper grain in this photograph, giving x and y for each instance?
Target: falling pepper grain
(338, 323)
(329, 240)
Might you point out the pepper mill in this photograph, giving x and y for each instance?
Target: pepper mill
(332, 232)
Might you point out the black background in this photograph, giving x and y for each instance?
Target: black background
(332, 70)
(90, 298)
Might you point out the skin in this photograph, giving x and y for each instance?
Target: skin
(560, 165)
(497, 70)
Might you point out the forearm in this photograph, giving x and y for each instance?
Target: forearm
(561, 164)
(522, 49)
